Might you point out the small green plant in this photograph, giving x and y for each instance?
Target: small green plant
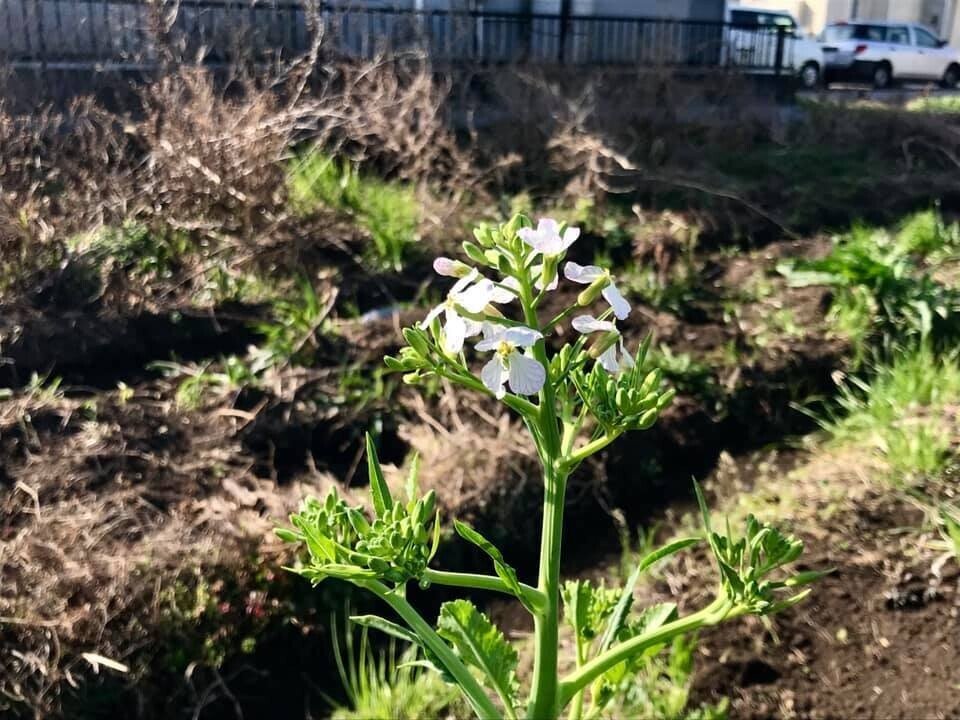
(901, 412)
(145, 251)
(575, 402)
(200, 382)
(44, 388)
(387, 210)
(949, 522)
(290, 336)
(936, 104)
(876, 272)
(387, 684)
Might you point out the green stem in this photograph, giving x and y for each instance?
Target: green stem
(544, 691)
(714, 613)
(577, 711)
(589, 449)
(534, 597)
(482, 704)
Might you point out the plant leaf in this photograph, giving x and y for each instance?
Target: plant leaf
(504, 571)
(380, 492)
(482, 645)
(413, 478)
(385, 626)
(618, 619)
(666, 551)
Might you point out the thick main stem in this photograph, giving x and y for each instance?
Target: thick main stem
(544, 703)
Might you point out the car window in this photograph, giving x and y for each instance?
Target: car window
(925, 39)
(840, 33)
(750, 19)
(898, 34)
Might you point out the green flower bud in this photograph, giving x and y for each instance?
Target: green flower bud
(590, 295)
(651, 382)
(484, 235)
(518, 221)
(666, 399)
(474, 252)
(603, 344)
(412, 378)
(647, 419)
(549, 272)
(417, 340)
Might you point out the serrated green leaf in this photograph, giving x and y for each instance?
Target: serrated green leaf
(380, 492)
(504, 571)
(481, 644)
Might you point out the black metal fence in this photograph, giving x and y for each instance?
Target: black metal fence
(118, 33)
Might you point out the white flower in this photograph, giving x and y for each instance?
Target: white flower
(546, 239)
(587, 275)
(473, 299)
(525, 375)
(614, 359)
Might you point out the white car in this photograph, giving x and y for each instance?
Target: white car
(883, 52)
(752, 43)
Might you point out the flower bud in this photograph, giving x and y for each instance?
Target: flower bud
(417, 340)
(474, 252)
(485, 235)
(651, 382)
(647, 419)
(666, 399)
(590, 295)
(549, 271)
(412, 378)
(393, 364)
(603, 344)
(451, 268)
(518, 221)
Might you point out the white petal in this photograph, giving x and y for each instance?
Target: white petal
(586, 324)
(583, 274)
(501, 294)
(626, 359)
(521, 336)
(537, 271)
(608, 360)
(432, 315)
(621, 308)
(463, 282)
(445, 266)
(493, 375)
(492, 330)
(454, 331)
(548, 226)
(472, 327)
(570, 236)
(526, 374)
(476, 298)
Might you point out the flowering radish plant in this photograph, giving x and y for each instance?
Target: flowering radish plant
(574, 401)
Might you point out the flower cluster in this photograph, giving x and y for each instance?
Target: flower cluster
(528, 259)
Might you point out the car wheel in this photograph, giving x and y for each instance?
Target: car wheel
(810, 76)
(882, 76)
(951, 78)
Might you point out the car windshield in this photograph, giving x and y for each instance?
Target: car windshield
(753, 19)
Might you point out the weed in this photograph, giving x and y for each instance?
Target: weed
(141, 250)
(662, 689)
(386, 685)
(937, 104)
(900, 412)
(388, 211)
(875, 271)
(296, 320)
(949, 522)
(44, 389)
(200, 381)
